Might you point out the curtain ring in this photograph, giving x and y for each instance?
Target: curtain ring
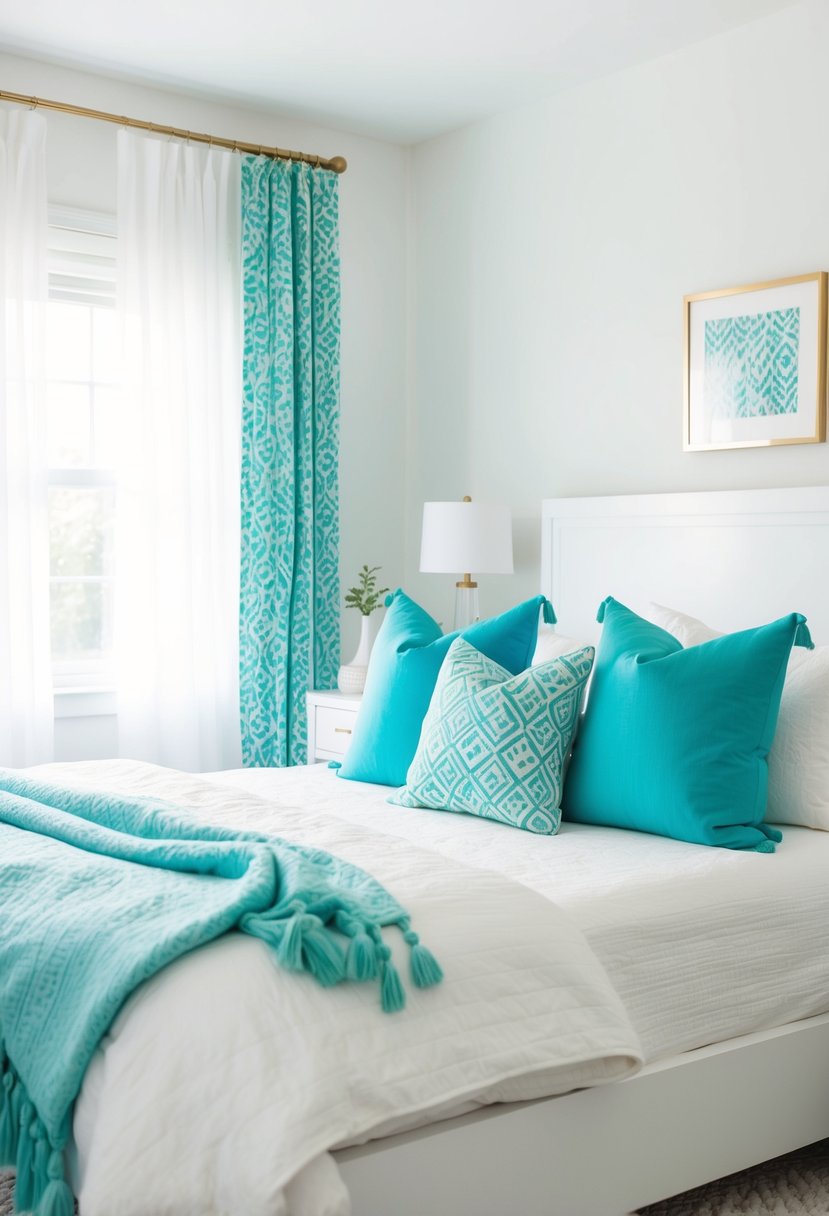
(34, 101)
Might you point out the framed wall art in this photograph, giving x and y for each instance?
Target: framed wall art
(755, 365)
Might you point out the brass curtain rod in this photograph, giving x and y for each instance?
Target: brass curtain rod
(337, 164)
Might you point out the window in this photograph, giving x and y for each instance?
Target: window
(82, 404)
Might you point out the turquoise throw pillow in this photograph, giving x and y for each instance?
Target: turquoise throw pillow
(495, 744)
(402, 672)
(676, 741)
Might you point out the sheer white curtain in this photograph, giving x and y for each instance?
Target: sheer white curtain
(26, 705)
(177, 610)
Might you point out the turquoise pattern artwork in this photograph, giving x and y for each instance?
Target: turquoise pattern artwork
(751, 364)
(289, 598)
(495, 744)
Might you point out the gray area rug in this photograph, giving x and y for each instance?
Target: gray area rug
(794, 1185)
(6, 1190)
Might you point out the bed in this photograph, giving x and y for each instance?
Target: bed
(718, 957)
(731, 1100)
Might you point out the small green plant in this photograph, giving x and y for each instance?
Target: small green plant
(366, 595)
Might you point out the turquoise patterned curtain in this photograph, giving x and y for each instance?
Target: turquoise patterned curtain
(289, 607)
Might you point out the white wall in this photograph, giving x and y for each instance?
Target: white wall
(373, 226)
(525, 287)
(554, 245)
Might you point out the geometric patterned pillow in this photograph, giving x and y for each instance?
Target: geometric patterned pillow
(494, 744)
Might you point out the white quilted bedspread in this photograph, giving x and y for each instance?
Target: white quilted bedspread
(224, 1081)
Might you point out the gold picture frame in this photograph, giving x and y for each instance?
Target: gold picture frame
(755, 367)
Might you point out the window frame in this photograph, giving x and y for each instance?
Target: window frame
(82, 248)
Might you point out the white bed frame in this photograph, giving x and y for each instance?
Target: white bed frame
(734, 559)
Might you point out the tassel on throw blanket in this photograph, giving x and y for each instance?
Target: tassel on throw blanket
(98, 893)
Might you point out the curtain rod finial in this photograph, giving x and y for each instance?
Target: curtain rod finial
(338, 163)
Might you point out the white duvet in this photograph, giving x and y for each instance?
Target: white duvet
(224, 1081)
(701, 944)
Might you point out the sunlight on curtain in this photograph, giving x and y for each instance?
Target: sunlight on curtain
(26, 705)
(290, 611)
(177, 569)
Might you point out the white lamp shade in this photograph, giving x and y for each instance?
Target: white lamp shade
(466, 537)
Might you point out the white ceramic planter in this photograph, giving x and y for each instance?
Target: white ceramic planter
(352, 676)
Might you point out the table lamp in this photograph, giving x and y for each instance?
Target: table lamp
(466, 536)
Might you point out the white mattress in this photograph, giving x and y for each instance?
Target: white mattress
(702, 944)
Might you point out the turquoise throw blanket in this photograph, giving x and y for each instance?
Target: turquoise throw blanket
(98, 893)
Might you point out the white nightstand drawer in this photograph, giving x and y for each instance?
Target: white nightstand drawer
(334, 729)
(331, 719)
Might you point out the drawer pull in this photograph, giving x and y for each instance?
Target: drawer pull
(342, 730)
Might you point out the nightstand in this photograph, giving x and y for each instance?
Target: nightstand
(331, 718)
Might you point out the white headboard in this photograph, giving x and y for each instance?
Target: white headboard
(733, 558)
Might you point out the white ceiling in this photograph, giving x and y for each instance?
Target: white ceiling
(401, 71)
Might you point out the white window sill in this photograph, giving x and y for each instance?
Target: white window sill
(85, 702)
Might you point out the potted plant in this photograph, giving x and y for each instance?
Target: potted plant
(366, 597)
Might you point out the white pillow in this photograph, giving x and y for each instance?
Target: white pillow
(799, 756)
(552, 645)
